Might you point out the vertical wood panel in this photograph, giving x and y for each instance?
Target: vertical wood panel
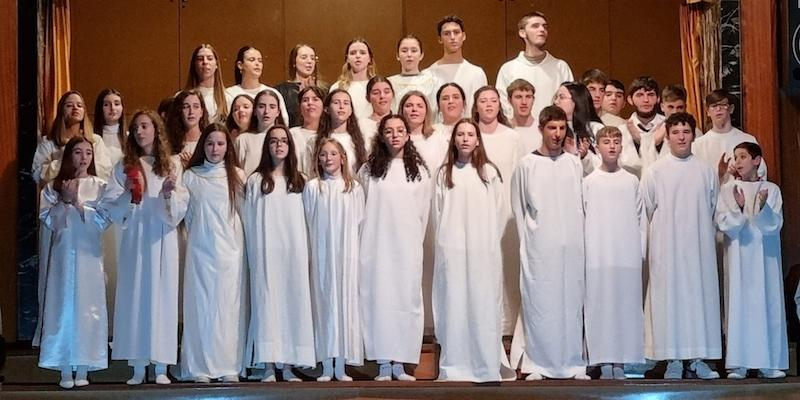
(8, 167)
(789, 144)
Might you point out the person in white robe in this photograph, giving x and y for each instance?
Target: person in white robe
(682, 310)
(358, 69)
(215, 280)
(535, 64)
(247, 74)
(643, 133)
(249, 145)
(341, 125)
(615, 226)
(205, 76)
(398, 192)
(521, 95)
(548, 207)
(750, 214)
(409, 54)
(311, 110)
(468, 221)
(281, 329)
(334, 208)
(451, 101)
(380, 93)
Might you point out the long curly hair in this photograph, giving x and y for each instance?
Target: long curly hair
(381, 157)
(161, 149)
(175, 128)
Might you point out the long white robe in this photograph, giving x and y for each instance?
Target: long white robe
(358, 96)
(547, 203)
(467, 75)
(74, 319)
(300, 137)
(711, 146)
(146, 313)
(369, 129)
(615, 239)
(433, 150)
(545, 77)
(756, 317)
(215, 281)
(425, 82)
(281, 328)
(310, 159)
(530, 137)
(112, 143)
(390, 285)
(232, 91)
(112, 236)
(249, 149)
(681, 312)
(211, 104)
(334, 227)
(468, 276)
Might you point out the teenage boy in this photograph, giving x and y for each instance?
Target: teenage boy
(673, 99)
(640, 143)
(613, 101)
(521, 95)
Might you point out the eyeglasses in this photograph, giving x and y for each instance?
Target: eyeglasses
(719, 106)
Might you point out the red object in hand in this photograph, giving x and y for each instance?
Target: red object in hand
(135, 176)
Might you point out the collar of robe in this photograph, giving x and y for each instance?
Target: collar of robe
(211, 170)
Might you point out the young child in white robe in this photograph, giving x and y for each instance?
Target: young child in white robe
(249, 144)
(749, 213)
(615, 235)
(74, 320)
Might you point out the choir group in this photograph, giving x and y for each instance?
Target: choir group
(302, 217)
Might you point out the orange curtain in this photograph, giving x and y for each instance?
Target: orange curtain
(699, 20)
(54, 54)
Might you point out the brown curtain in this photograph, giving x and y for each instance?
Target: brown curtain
(699, 21)
(54, 52)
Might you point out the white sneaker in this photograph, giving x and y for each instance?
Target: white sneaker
(582, 377)
(702, 370)
(534, 376)
(619, 373)
(81, 382)
(771, 373)
(674, 370)
(737, 373)
(67, 383)
(202, 379)
(230, 379)
(324, 378)
(162, 379)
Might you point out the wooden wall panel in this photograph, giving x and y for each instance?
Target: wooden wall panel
(8, 167)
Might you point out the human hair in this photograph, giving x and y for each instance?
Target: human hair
(375, 80)
(99, 115)
(643, 82)
(447, 85)
(294, 179)
(718, 95)
(237, 72)
(235, 184)
(266, 92)
(583, 114)
(59, 126)
(752, 148)
(427, 124)
(594, 75)
(162, 165)
(175, 128)
(448, 19)
(318, 92)
(193, 80)
(479, 159)
(501, 116)
(617, 84)
(680, 118)
(524, 20)
(347, 74)
(164, 106)
(410, 36)
(609, 132)
(324, 130)
(292, 62)
(381, 157)
(347, 175)
(230, 121)
(673, 93)
(68, 169)
(551, 113)
(520, 84)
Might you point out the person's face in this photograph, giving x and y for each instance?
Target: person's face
(414, 110)
(358, 57)
(553, 133)
(82, 157)
(191, 111)
(535, 32)
(310, 106)
(466, 140)
(451, 103)
(745, 164)
(267, 111)
(613, 100)
(340, 108)
(609, 148)
(452, 37)
(242, 113)
(644, 100)
(409, 54)
(74, 109)
(112, 109)
(564, 101)
(331, 159)
(215, 147)
(278, 142)
(720, 112)
(521, 102)
(680, 140)
(252, 64)
(205, 64)
(395, 135)
(305, 62)
(488, 106)
(596, 90)
(672, 107)
(381, 96)
(145, 131)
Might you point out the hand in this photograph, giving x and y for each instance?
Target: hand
(569, 145)
(722, 167)
(634, 131)
(761, 198)
(168, 186)
(185, 157)
(583, 147)
(660, 133)
(69, 191)
(738, 195)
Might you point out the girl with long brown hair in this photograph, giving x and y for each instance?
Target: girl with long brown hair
(303, 73)
(358, 68)
(247, 74)
(340, 123)
(205, 76)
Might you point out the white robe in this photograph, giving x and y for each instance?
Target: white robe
(756, 317)
(637, 160)
(334, 227)
(396, 216)
(112, 236)
(611, 119)
(112, 143)
(215, 280)
(281, 328)
(211, 104)
(547, 204)
(310, 159)
(146, 315)
(433, 150)
(615, 236)
(369, 129)
(358, 95)
(545, 77)
(711, 146)
(467, 75)
(249, 149)
(232, 91)
(530, 138)
(300, 137)
(425, 82)
(682, 314)
(468, 276)
(74, 318)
